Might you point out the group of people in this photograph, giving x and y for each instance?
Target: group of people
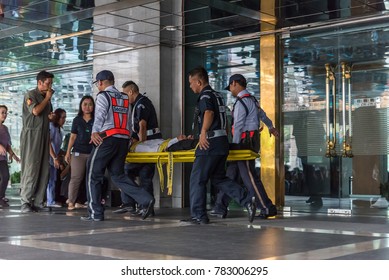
(98, 142)
(102, 132)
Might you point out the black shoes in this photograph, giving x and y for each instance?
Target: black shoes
(90, 219)
(125, 209)
(139, 212)
(195, 221)
(268, 212)
(3, 204)
(251, 209)
(315, 201)
(218, 213)
(149, 210)
(27, 208)
(40, 209)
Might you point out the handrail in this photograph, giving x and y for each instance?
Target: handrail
(346, 77)
(330, 130)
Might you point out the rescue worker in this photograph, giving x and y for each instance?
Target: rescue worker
(35, 144)
(144, 127)
(246, 115)
(212, 151)
(111, 136)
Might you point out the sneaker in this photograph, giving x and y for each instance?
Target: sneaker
(146, 212)
(195, 221)
(251, 209)
(55, 205)
(268, 212)
(124, 209)
(90, 219)
(41, 209)
(5, 199)
(218, 213)
(26, 208)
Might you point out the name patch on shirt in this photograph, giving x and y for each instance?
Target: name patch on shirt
(119, 109)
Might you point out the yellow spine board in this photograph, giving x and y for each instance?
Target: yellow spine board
(169, 158)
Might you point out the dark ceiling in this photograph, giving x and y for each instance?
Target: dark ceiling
(139, 24)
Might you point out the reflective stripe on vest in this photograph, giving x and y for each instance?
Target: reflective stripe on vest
(119, 127)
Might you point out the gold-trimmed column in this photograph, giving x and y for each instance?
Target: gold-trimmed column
(272, 160)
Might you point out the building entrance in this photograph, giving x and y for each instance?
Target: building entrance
(335, 115)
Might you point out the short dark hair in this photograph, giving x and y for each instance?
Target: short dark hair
(200, 72)
(134, 86)
(242, 83)
(80, 107)
(43, 75)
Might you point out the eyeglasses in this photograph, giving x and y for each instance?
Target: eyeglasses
(96, 83)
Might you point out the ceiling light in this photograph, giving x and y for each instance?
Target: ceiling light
(170, 28)
(51, 39)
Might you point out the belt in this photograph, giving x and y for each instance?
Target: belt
(216, 133)
(153, 131)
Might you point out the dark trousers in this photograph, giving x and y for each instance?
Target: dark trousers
(212, 168)
(4, 177)
(145, 172)
(246, 170)
(111, 155)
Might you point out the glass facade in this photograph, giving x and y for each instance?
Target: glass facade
(334, 147)
(335, 92)
(69, 88)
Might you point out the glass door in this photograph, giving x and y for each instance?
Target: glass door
(335, 116)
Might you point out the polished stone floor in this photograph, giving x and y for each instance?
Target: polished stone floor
(61, 235)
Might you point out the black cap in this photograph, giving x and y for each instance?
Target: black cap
(235, 77)
(104, 75)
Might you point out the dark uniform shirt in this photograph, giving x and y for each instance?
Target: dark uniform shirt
(83, 130)
(213, 101)
(143, 109)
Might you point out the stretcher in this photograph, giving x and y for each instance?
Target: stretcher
(169, 158)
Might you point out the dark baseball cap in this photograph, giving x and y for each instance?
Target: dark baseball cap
(104, 75)
(235, 77)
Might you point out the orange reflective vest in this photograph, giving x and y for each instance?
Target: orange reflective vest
(119, 116)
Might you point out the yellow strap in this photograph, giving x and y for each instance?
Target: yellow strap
(159, 162)
(133, 146)
(170, 164)
(163, 145)
(162, 148)
(160, 173)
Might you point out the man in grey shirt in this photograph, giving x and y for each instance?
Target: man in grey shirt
(111, 136)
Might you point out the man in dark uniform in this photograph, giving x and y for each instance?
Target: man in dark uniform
(246, 115)
(35, 143)
(111, 136)
(212, 151)
(144, 127)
